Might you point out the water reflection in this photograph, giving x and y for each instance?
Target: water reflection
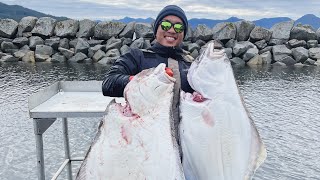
(283, 101)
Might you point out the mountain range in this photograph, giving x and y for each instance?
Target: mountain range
(17, 12)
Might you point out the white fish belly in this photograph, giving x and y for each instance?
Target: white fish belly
(218, 138)
(138, 145)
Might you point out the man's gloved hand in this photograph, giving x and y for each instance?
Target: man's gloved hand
(169, 71)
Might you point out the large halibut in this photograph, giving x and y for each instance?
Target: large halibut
(218, 137)
(135, 141)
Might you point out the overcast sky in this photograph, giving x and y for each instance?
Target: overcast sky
(210, 9)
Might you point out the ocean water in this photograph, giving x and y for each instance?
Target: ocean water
(283, 101)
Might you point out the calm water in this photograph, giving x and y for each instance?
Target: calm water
(284, 103)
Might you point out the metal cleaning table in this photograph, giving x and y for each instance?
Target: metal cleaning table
(64, 99)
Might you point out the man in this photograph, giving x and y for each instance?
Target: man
(170, 28)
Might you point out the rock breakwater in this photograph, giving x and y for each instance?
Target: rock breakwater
(47, 40)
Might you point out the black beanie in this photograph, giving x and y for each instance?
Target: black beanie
(171, 10)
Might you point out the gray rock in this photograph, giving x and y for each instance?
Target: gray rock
(126, 41)
(108, 60)
(217, 44)
(73, 43)
(44, 27)
(293, 43)
(231, 43)
(113, 43)
(194, 53)
(312, 43)
(8, 47)
(237, 61)
(241, 47)
(128, 30)
(303, 33)
(113, 53)
(19, 54)
(318, 34)
(192, 47)
(228, 52)
(53, 42)
(255, 61)
(280, 52)
(250, 53)
(8, 28)
(124, 49)
(41, 57)
(26, 24)
(266, 57)
(300, 54)
(282, 30)
(67, 28)
(143, 30)
(44, 50)
(200, 42)
(82, 46)
(64, 43)
(98, 55)
(146, 44)
(93, 50)
(224, 31)
(244, 29)
(29, 57)
(261, 44)
(106, 30)
(279, 64)
(5, 39)
(3, 54)
(58, 58)
(27, 34)
(86, 28)
(87, 60)
(34, 41)
(66, 52)
(137, 44)
(314, 53)
(258, 33)
(78, 58)
(25, 47)
(309, 62)
(94, 42)
(202, 32)
(9, 58)
(20, 41)
(189, 35)
(273, 42)
(288, 60)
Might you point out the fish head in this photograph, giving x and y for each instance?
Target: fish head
(149, 89)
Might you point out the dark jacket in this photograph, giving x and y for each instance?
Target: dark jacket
(135, 61)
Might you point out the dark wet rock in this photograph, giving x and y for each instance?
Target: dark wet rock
(237, 61)
(303, 32)
(78, 58)
(58, 58)
(241, 47)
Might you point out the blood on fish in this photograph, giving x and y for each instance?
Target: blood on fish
(125, 135)
(197, 97)
(207, 117)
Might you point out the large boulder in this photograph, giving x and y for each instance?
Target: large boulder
(189, 35)
(86, 28)
(113, 43)
(202, 32)
(224, 31)
(128, 30)
(67, 28)
(9, 58)
(8, 28)
(255, 61)
(106, 30)
(250, 53)
(241, 47)
(282, 30)
(26, 24)
(258, 33)
(44, 27)
(53, 42)
(58, 58)
(66, 52)
(8, 47)
(303, 32)
(44, 50)
(143, 30)
(82, 46)
(293, 43)
(318, 34)
(137, 44)
(34, 41)
(280, 52)
(78, 58)
(314, 53)
(300, 54)
(244, 29)
(20, 41)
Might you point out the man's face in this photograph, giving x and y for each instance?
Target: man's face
(170, 37)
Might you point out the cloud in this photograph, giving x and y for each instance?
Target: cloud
(211, 9)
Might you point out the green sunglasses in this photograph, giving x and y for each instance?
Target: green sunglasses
(166, 25)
